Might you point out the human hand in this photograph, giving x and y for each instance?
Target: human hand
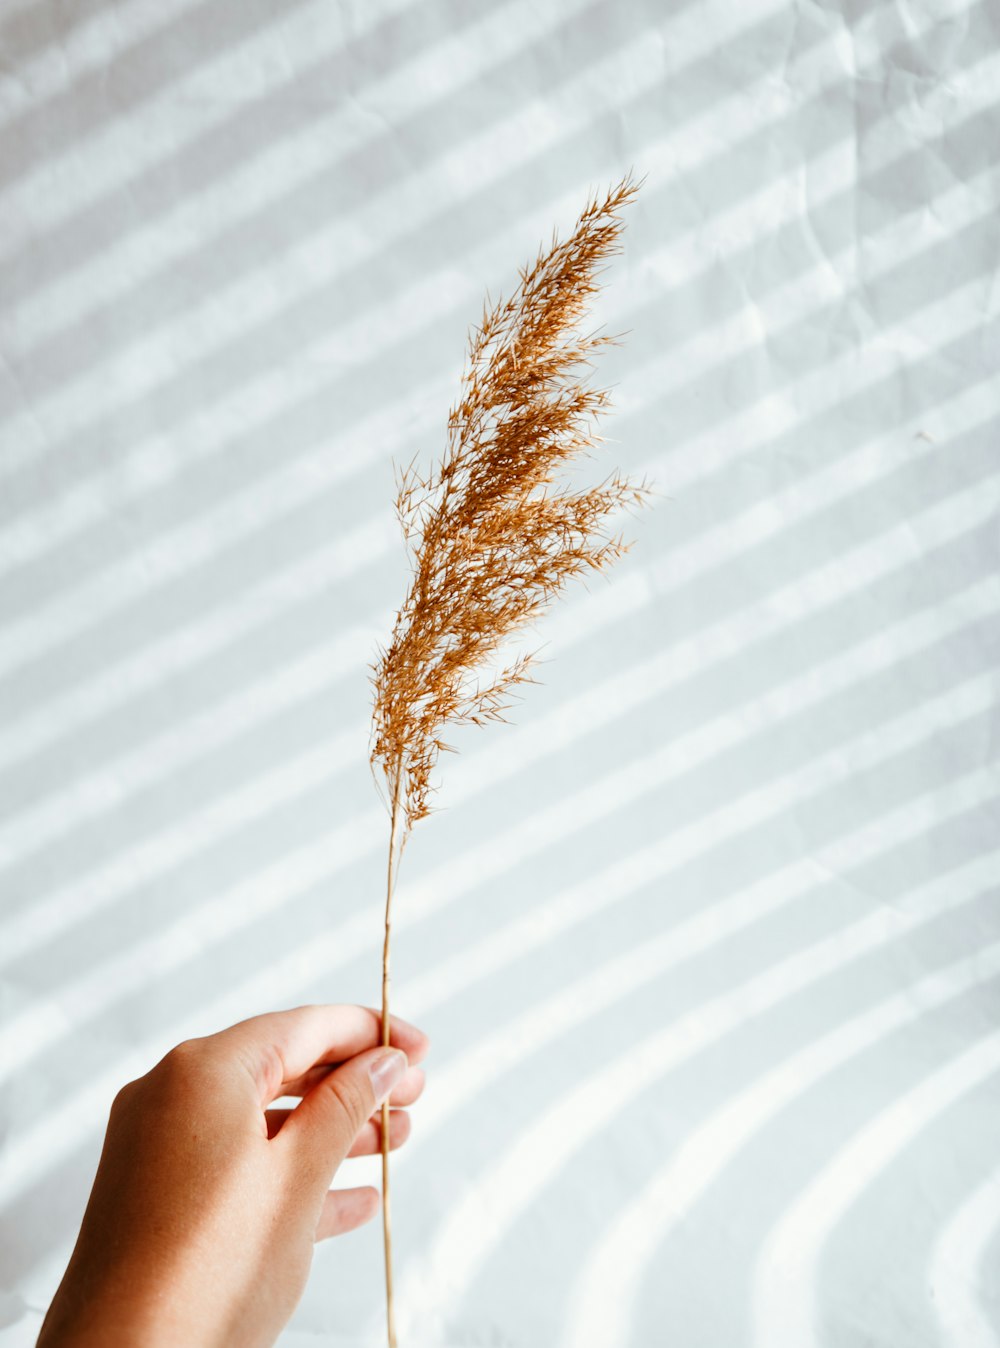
(200, 1226)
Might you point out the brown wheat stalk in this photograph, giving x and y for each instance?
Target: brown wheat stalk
(492, 537)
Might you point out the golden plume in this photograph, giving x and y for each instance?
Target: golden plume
(492, 537)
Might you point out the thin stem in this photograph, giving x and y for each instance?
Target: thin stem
(394, 854)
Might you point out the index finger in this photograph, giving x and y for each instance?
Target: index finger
(280, 1047)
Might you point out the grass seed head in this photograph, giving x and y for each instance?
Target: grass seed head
(493, 532)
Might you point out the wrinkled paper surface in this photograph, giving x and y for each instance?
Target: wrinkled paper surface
(707, 941)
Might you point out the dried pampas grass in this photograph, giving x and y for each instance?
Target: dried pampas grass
(492, 537)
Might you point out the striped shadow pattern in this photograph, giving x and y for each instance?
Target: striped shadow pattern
(708, 941)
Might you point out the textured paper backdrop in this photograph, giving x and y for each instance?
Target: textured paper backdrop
(708, 943)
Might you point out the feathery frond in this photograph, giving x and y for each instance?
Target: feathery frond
(493, 536)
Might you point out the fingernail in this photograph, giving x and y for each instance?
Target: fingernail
(386, 1071)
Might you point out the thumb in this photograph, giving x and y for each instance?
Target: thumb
(323, 1127)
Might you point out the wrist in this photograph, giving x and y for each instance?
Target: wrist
(124, 1313)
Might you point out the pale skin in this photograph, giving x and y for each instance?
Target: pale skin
(207, 1203)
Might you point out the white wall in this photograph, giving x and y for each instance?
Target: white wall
(708, 943)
